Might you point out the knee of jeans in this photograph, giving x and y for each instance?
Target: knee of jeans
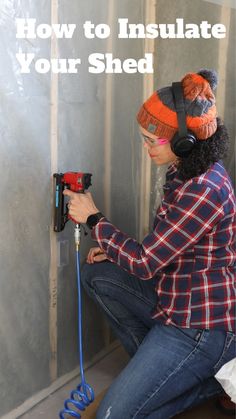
(89, 274)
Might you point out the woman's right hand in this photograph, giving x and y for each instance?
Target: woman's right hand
(96, 254)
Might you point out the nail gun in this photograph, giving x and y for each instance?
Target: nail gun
(76, 182)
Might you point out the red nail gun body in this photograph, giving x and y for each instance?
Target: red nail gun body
(76, 182)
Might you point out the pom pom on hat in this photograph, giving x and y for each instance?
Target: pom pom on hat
(158, 114)
(211, 76)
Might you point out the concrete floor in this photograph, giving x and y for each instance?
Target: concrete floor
(100, 376)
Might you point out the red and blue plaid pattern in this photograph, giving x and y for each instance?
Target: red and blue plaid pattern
(191, 251)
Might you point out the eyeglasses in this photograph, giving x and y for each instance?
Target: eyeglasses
(152, 142)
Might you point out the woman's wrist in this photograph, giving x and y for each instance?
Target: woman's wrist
(93, 219)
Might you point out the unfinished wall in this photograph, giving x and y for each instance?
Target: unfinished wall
(38, 335)
(25, 213)
(85, 144)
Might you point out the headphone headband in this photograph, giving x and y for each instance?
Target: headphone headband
(183, 141)
(179, 106)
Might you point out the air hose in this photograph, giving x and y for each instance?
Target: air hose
(83, 395)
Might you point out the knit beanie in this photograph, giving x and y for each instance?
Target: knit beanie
(158, 114)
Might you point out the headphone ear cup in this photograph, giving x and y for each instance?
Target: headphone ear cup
(182, 146)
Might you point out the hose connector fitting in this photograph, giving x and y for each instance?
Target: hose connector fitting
(77, 234)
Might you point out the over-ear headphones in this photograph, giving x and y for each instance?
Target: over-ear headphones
(183, 141)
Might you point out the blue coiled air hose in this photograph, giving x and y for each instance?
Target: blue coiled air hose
(83, 395)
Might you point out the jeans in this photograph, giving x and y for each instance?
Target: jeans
(171, 368)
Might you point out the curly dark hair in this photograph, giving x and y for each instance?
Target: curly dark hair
(205, 153)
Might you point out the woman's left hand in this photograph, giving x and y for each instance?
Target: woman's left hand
(81, 206)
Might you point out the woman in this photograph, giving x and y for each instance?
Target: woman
(171, 299)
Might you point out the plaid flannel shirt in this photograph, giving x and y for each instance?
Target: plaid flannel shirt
(191, 251)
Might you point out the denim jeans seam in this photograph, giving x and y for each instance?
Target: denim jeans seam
(106, 309)
(167, 378)
(227, 344)
(131, 291)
